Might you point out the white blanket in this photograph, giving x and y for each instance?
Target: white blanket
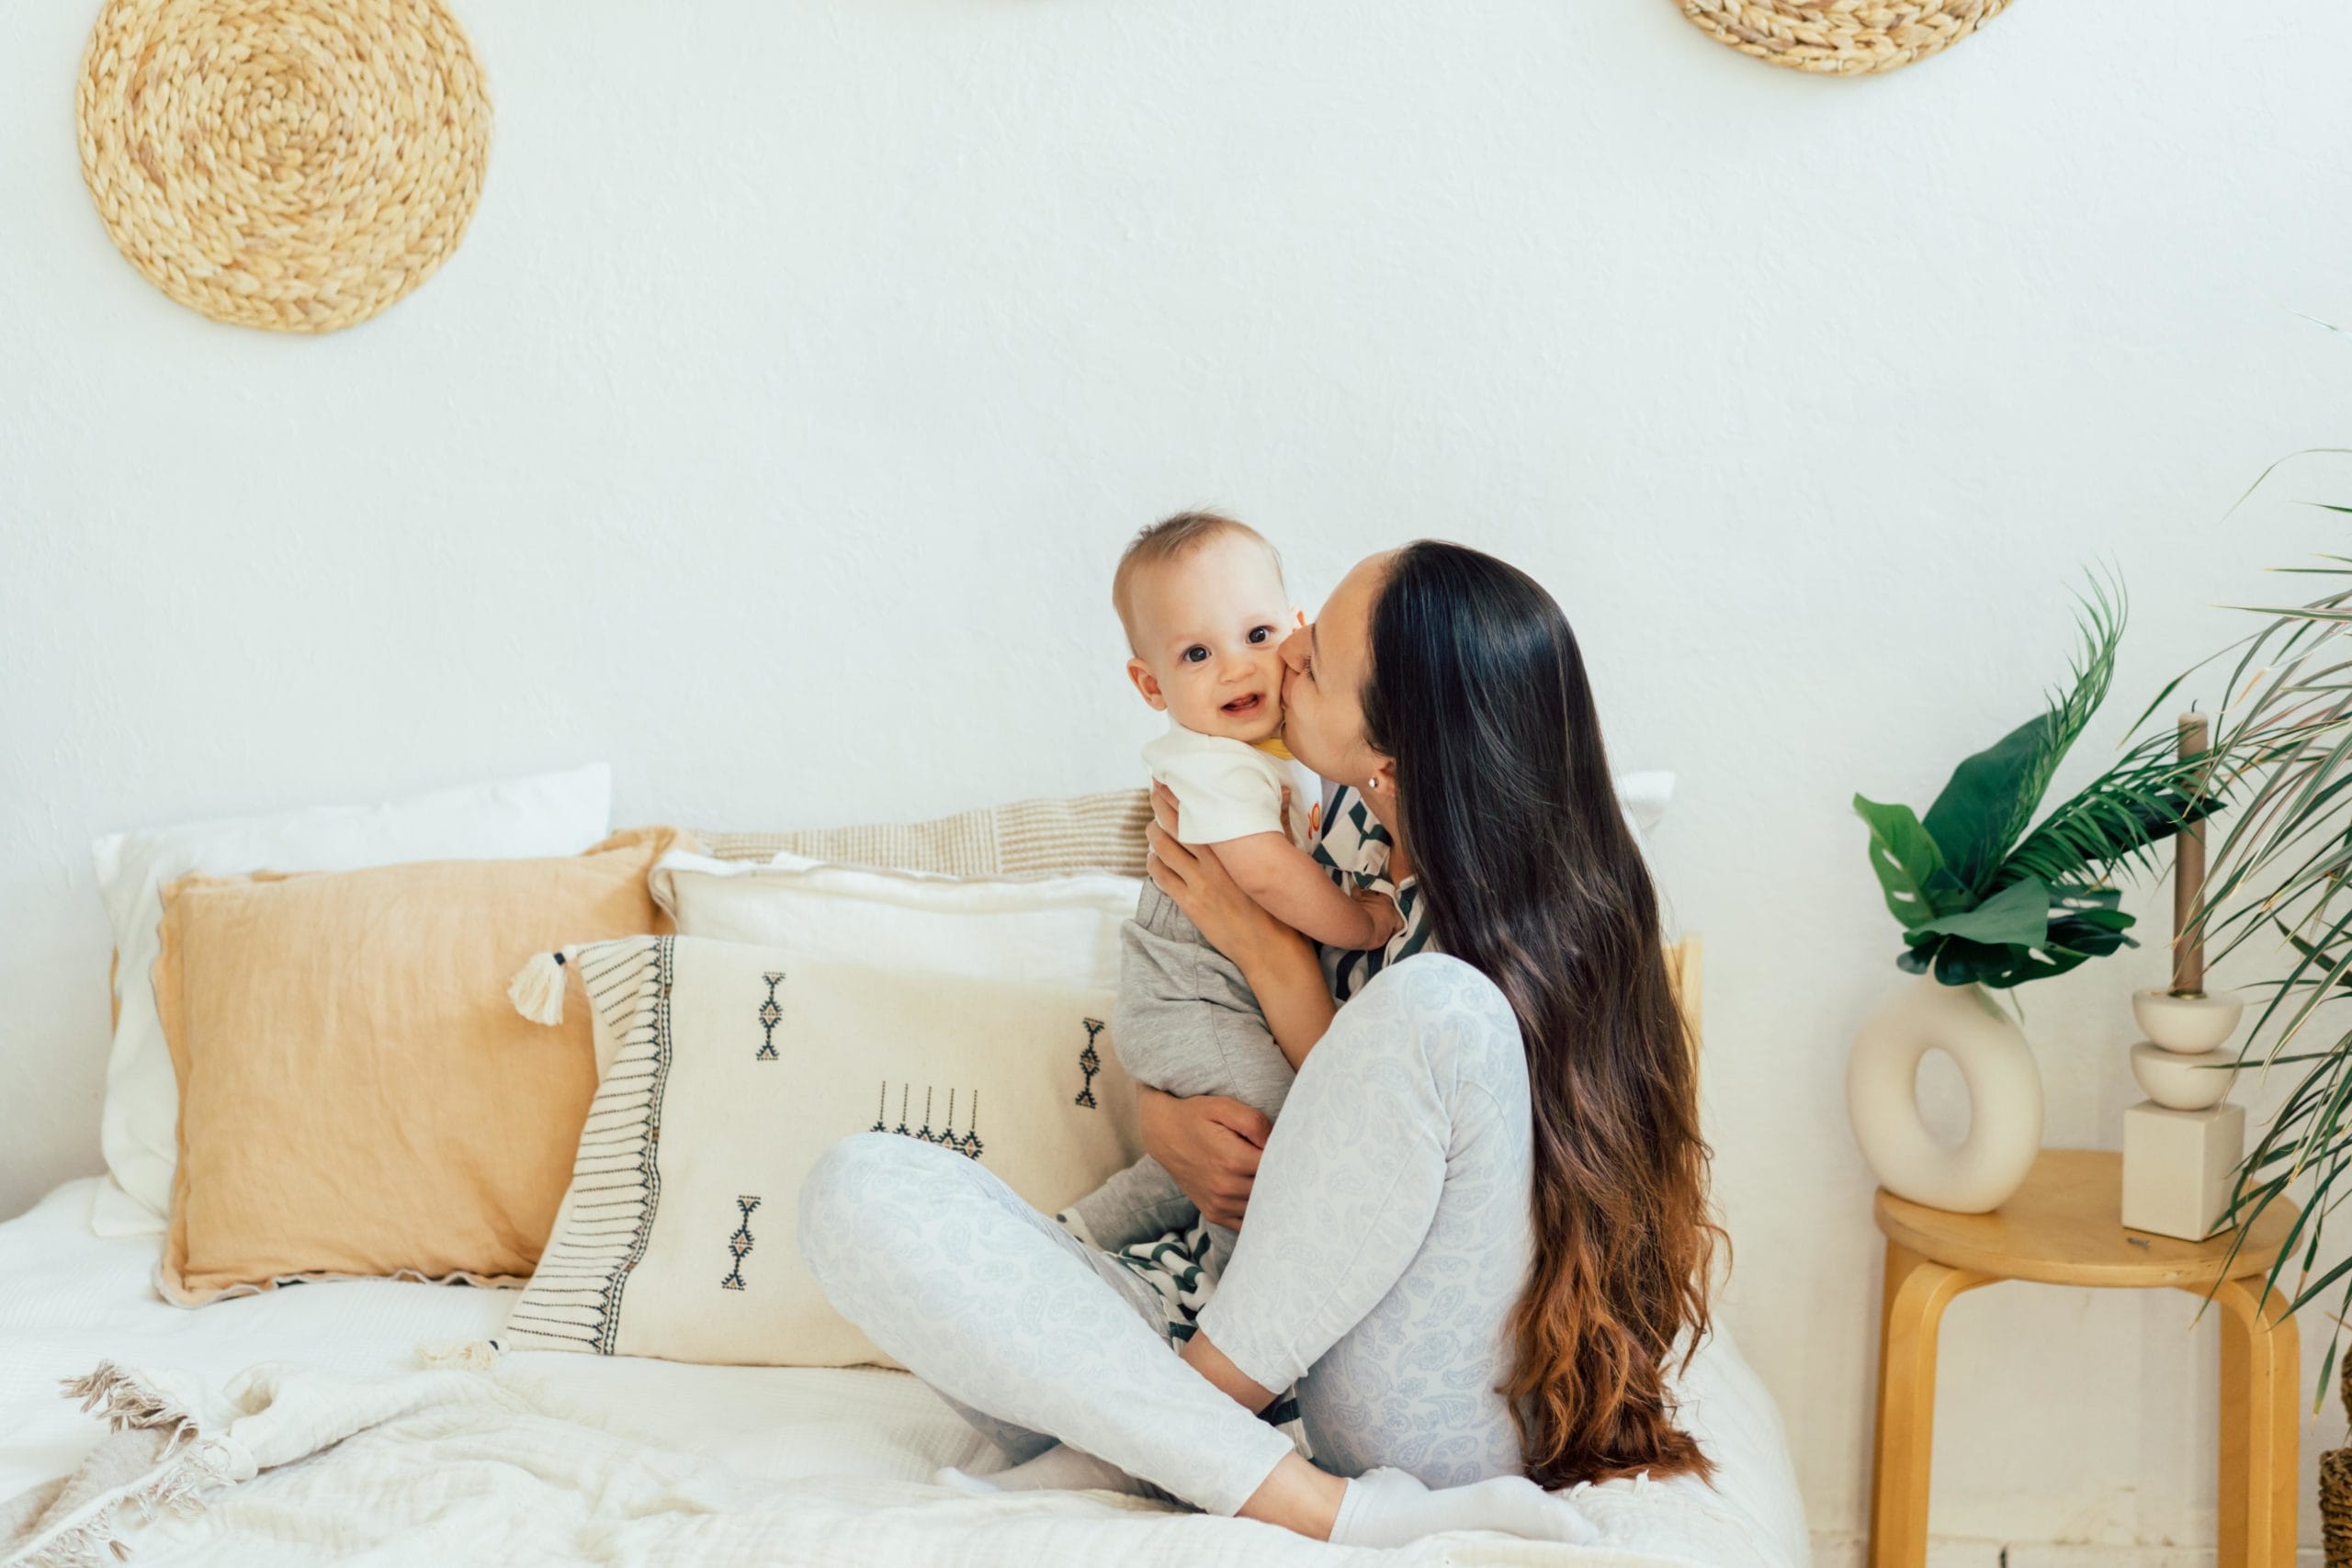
(335, 1455)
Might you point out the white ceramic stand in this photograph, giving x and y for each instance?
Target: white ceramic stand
(2179, 1167)
(2182, 1144)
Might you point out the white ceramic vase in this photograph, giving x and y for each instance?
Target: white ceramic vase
(2004, 1094)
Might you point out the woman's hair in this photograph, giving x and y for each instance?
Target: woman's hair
(1511, 822)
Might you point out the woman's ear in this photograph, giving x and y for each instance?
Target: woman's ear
(1383, 781)
(1148, 684)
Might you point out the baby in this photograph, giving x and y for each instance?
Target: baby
(1205, 612)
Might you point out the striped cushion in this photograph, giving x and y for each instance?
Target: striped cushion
(1028, 838)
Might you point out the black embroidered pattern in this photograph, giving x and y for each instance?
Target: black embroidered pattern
(740, 1243)
(968, 1144)
(1089, 1062)
(771, 1014)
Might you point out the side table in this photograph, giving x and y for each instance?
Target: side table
(2061, 1229)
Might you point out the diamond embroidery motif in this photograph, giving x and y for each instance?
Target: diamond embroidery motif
(740, 1243)
(1089, 1062)
(771, 1014)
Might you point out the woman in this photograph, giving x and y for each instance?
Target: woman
(1479, 1231)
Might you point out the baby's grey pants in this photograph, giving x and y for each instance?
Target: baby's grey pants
(1387, 1240)
(1185, 1021)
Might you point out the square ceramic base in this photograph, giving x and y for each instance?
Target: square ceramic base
(2179, 1167)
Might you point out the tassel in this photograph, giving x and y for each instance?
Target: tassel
(458, 1355)
(536, 990)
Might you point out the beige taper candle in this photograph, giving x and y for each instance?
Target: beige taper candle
(2189, 868)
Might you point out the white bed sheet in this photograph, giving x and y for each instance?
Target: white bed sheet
(70, 1299)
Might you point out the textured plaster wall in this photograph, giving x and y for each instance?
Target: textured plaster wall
(773, 432)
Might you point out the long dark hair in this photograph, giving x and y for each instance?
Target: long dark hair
(1478, 692)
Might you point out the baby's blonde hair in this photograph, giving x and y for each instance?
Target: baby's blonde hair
(1165, 541)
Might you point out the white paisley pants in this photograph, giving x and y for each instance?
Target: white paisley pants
(1387, 1240)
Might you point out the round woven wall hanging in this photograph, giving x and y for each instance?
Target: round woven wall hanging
(291, 164)
(1840, 38)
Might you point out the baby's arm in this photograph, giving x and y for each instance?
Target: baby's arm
(1288, 885)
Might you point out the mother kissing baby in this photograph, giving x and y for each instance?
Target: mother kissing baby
(1477, 1243)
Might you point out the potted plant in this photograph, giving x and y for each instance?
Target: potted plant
(1989, 898)
(2278, 884)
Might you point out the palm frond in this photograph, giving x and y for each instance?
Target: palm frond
(2100, 619)
(2118, 818)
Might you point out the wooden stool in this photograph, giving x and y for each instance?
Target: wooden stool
(2061, 1229)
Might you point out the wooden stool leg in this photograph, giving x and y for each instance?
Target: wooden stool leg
(1916, 1294)
(2261, 1362)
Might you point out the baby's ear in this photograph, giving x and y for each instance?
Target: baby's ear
(1148, 684)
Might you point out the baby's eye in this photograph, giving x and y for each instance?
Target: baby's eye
(1194, 654)
(1260, 634)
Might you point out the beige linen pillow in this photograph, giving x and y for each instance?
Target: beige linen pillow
(732, 1067)
(1024, 839)
(357, 1097)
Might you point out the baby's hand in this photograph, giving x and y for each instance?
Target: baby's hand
(1387, 920)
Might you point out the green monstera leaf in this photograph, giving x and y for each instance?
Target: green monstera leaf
(1975, 810)
(1911, 871)
(2018, 916)
(2027, 932)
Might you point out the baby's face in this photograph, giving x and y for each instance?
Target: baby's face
(1209, 630)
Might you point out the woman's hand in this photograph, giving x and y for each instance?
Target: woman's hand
(1201, 886)
(1209, 1144)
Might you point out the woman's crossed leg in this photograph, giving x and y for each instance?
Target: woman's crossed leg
(1387, 1240)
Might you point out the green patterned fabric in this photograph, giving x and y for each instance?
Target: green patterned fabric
(1171, 1266)
(1353, 846)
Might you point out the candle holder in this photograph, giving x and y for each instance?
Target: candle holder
(2182, 1144)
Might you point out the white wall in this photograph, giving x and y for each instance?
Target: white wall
(775, 428)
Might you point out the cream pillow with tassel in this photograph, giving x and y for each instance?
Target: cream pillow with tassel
(725, 1069)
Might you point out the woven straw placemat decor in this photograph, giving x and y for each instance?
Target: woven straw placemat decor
(1840, 38)
(291, 164)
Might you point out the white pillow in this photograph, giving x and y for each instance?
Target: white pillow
(544, 815)
(729, 1067)
(1643, 797)
(1057, 931)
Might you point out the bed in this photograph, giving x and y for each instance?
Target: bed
(565, 1458)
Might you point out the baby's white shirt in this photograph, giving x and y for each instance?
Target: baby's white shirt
(1224, 788)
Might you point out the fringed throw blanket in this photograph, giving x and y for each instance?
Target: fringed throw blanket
(153, 1459)
(296, 1465)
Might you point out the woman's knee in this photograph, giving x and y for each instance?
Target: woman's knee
(851, 1181)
